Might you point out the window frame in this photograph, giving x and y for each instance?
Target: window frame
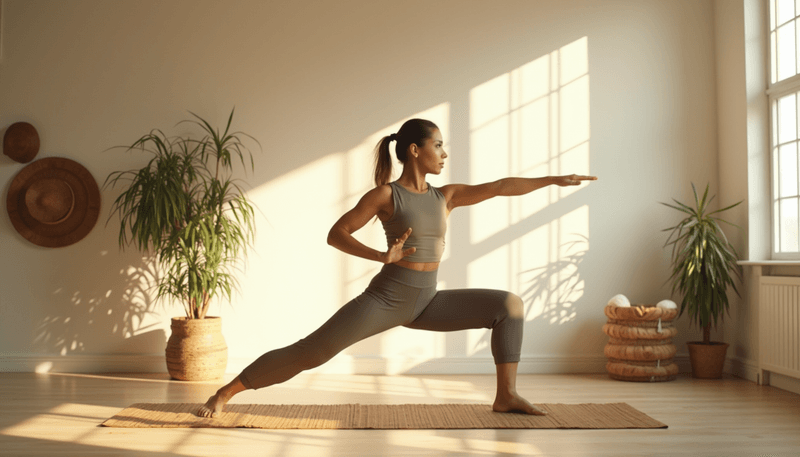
(775, 91)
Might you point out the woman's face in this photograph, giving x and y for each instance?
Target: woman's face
(431, 155)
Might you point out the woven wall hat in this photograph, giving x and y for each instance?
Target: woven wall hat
(53, 202)
(21, 142)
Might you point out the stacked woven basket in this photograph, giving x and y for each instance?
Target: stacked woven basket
(640, 341)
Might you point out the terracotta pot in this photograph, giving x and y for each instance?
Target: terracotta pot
(707, 359)
(196, 349)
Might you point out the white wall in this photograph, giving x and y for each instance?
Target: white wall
(732, 108)
(624, 90)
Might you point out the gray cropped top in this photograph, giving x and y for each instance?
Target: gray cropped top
(426, 214)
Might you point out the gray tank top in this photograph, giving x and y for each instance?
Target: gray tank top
(426, 214)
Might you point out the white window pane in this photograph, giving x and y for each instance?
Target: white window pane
(789, 239)
(787, 119)
(787, 171)
(784, 10)
(786, 52)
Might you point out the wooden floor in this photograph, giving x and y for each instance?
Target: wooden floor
(59, 414)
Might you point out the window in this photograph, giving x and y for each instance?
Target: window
(784, 100)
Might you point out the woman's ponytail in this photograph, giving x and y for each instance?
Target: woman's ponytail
(383, 160)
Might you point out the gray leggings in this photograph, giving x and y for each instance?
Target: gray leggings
(397, 296)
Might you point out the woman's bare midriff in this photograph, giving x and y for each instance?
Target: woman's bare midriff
(418, 266)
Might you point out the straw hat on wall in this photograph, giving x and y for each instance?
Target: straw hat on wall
(53, 202)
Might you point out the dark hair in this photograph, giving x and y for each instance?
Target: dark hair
(413, 131)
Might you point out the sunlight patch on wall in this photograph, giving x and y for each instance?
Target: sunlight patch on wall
(574, 112)
(490, 164)
(532, 121)
(491, 270)
(291, 262)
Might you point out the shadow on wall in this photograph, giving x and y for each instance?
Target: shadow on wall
(552, 296)
(551, 291)
(107, 314)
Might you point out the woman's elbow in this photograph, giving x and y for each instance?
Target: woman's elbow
(334, 236)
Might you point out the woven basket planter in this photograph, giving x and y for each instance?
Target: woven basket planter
(196, 349)
(640, 343)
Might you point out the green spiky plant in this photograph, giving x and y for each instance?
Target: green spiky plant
(703, 261)
(186, 209)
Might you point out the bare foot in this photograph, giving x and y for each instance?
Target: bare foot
(213, 406)
(515, 403)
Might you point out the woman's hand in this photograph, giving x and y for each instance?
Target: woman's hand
(396, 251)
(572, 180)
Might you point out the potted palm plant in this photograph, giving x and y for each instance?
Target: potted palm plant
(703, 267)
(186, 210)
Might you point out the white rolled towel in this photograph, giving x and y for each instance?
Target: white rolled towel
(620, 301)
(667, 304)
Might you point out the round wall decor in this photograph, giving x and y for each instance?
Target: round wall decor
(21, 142)
(53, 202)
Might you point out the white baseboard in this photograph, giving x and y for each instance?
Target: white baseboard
(748, 369)
(785, 382)
(341, 364)
(743, 368)
(81, 363)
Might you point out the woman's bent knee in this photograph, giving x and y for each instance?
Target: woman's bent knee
(514, 306)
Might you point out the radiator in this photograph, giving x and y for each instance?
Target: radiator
(779, 326)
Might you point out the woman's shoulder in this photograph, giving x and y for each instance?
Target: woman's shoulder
(379, 195)
(383, 190)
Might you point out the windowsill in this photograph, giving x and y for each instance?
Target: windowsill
(789, 263)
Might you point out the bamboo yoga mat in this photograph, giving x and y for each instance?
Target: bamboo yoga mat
(355, 416)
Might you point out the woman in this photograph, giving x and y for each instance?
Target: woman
(414, 216)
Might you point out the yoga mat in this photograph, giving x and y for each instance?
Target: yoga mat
(355, 416)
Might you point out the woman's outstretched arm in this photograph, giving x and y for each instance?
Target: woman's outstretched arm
(377, 202)
(465, 195)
